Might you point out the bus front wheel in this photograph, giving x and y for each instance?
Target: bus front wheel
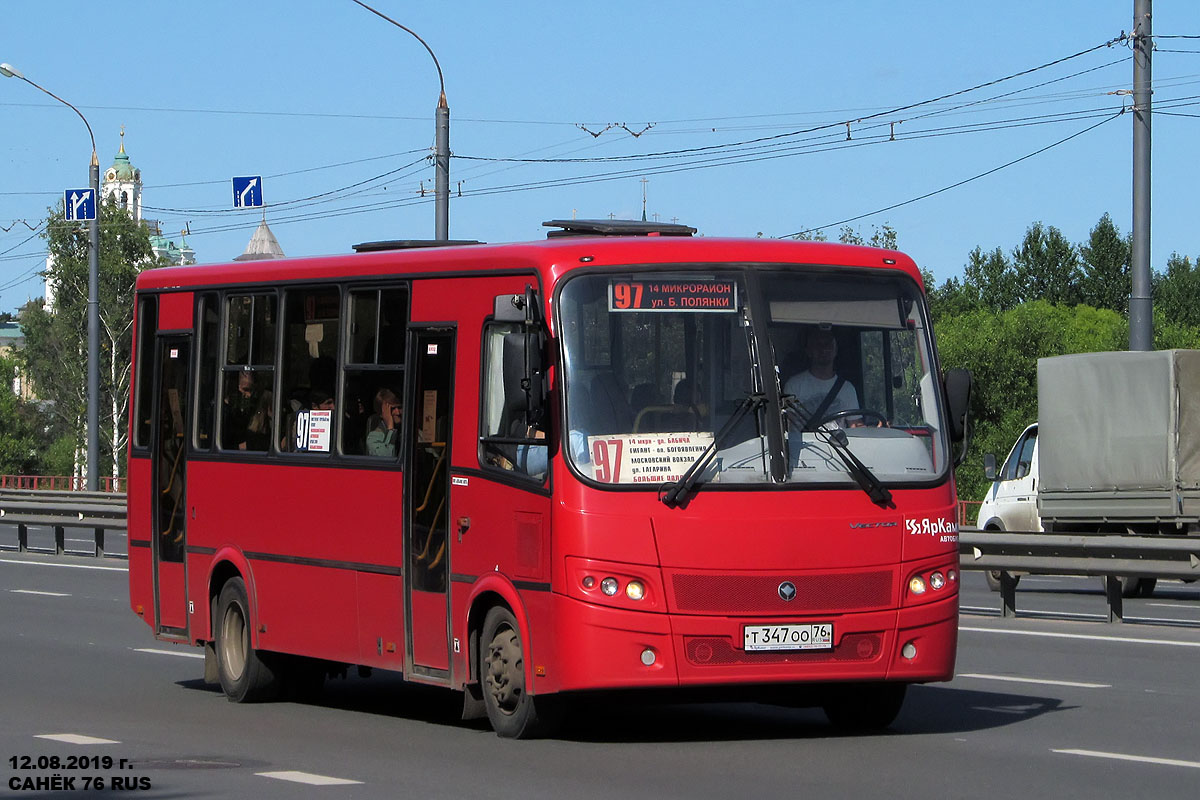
(859, 708)
(244, 673)
(512, 711)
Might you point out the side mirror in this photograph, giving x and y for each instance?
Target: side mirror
(957, 387)
(525, 308)
(989, 467)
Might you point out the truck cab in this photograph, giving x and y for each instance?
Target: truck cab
(1011, 502)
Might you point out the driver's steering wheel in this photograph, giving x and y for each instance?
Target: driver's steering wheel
(847, 412)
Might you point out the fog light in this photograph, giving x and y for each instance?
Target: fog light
(588, 582)
(937, 580)
(952, 575)
(635, 590)
(648, 657)
(916, 585)
(909, 651)
(609, 586)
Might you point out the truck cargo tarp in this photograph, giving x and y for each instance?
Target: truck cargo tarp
(1119, 421)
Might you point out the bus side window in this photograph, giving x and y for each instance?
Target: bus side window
(308, 372)
(373, 374)
(209, 315)
(248, 373)
(506, 440)
(144, 377)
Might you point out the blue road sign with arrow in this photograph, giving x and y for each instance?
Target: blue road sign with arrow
(247, 192)
(80, 204)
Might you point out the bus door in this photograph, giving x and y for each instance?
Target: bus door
(426, 502)
(169, 454)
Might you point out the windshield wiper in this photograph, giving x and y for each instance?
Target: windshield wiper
(676, 492)
(837, 439)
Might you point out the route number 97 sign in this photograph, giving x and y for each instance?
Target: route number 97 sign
(675, 294)
(645, 457)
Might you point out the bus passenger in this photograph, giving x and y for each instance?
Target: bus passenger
(384, 424)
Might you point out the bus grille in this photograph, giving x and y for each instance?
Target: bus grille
(718, 651)
(759, 594)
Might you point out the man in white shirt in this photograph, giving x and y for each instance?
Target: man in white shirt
(818, 389)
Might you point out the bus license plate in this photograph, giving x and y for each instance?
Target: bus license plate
(818, 636)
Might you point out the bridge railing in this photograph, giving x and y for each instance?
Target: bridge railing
(1110, 557)
(61, 509)
(108, 484)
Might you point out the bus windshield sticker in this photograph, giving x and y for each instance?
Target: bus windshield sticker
(645, 458)
(673, 294)
(320, 421)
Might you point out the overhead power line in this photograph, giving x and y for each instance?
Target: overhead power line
(963, 182)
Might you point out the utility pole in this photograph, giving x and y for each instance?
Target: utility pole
(1141, 318)
(644, 182)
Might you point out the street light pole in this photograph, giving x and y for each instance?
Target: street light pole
(93, 307)
(441, 141)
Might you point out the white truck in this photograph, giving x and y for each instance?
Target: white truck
(1116, 449)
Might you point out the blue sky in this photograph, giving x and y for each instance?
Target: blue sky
(320, 96)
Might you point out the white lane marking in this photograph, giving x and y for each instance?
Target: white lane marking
(306, 777)
(75, 738)
(1043, 681)
(1047, 634)
(43, 594)
(1166, 762)
(1191, 606)
(53, 564)
(167, 652)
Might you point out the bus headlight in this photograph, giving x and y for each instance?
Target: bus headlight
(634, 590)
(917, 585)
(609, 586)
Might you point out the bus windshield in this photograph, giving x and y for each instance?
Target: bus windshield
(656, 364)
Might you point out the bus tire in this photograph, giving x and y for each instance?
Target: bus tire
(246, 675)
(860, 708)
(512, 711)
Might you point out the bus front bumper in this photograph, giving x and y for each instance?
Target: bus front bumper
(608, 648)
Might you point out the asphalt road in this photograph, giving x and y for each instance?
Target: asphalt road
(1058, 707)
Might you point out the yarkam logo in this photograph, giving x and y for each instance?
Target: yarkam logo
(931, 527)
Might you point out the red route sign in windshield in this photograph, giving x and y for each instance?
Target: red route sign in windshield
(672, 295)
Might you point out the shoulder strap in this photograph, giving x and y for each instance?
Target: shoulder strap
(819, 414)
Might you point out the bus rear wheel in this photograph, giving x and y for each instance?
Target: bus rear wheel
(861, 708)
(512, 711)
(245, 674)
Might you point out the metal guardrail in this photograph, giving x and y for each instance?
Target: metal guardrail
(1005, 552)
(100, 511)
(1111, 557)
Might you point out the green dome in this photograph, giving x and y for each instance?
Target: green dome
(121, 169)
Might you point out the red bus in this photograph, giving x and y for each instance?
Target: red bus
(611, 460)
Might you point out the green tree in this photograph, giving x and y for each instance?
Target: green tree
(1177, 291)
(18, 421)
(1047, 266)
(990, 280)
(55, 349)
(1105, 261)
